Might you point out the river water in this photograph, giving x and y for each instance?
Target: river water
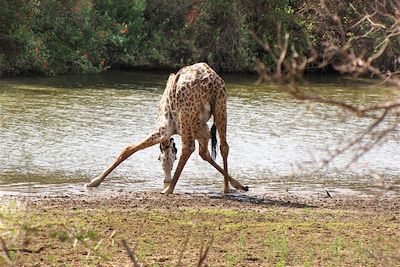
(58, 133)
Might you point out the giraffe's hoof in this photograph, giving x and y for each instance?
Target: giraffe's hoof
(87, 185)
(228, 191)
(94, 183)
(166, 183)
(167, 191)
(245, 188)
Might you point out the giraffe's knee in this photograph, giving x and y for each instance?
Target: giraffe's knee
(126, 153)
(224, 147)
(204, 154)
(188, 148)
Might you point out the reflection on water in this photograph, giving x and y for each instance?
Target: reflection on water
(57, 133)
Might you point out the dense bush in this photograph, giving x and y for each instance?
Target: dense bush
(55, 37)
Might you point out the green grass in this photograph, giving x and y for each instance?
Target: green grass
(73, 235)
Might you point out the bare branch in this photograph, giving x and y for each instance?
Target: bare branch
(204, 253)
(355, 141)
(185, 242)
(131, 253)
(5, 252)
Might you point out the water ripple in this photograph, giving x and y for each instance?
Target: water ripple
(57, 133)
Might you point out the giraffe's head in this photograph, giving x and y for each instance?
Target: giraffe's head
(167, 157)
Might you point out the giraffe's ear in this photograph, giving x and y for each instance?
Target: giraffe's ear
(175, 150)
(171, 141)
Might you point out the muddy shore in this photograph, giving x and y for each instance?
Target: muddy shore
(380, 201)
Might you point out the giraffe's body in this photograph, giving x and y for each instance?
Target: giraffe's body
(190, 98)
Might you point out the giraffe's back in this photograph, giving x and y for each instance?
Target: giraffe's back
(190, 98)
(197, 85)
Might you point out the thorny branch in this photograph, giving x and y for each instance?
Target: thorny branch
(290, 67)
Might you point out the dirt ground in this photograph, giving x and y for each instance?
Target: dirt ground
(239, 230)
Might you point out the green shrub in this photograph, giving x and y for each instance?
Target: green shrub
(54, 37)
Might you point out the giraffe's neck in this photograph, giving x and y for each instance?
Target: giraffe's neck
(167, 117)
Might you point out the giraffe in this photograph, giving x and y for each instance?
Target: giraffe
(190, 97)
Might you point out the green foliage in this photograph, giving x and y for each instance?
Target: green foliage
(82, 36)
(54, 37)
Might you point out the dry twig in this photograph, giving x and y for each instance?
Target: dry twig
(131, 253)
(5, 252)
(184, 244)
(204, 253)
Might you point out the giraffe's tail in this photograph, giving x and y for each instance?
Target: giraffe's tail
(213, 131)
(214, 141)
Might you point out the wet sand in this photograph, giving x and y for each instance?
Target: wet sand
(380, 201)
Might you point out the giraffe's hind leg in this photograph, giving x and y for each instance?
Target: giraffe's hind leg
(220, 117)
(203, 137)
